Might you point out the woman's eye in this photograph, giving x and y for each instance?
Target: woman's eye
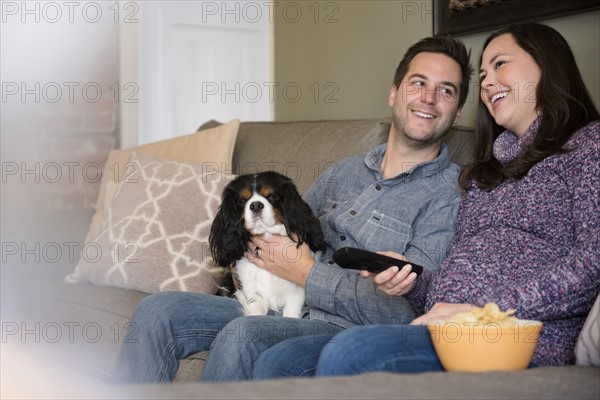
(499, 63)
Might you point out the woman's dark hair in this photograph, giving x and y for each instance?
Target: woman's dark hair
(561, 98)
(442, 44)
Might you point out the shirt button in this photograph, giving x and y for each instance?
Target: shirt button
(352, 212)
(334, 207)
(343, 238)
(378, 187)
(330, 262)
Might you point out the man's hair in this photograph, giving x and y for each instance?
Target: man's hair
(441, 44)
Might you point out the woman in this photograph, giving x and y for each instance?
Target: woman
(527, 233)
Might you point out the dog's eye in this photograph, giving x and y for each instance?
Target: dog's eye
(272, 198)
(242, 201)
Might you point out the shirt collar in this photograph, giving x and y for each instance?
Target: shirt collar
(374, 158)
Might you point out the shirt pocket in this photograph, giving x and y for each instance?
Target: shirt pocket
(331, 206)
(383, 232)
(330, 210)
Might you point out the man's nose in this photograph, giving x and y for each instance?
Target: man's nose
(428, 95)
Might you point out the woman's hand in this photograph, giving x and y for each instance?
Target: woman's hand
(440, 312)
(393, 281)
(281, 256)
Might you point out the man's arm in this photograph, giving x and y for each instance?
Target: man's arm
(329, 288)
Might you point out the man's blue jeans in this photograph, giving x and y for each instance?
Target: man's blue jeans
(167, 327)
(394, 348)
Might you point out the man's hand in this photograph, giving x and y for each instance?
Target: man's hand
(393, 281)
(281, 256)
(440, 312)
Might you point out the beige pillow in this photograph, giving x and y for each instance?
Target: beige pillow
(587, 350)
(213, 148)
(155, 233)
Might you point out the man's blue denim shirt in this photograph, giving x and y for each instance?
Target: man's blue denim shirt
(413, 214)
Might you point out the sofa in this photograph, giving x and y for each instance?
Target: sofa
(61, 338)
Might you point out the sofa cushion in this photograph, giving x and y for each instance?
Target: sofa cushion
(460, 144)
(190, 368)
(587, 350)
(303, 150)
(212, 147)
(79, 326)
(537, 383)
(155, 233)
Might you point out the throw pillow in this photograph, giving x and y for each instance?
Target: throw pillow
(212, 148)
(155, 233)
(587, 350)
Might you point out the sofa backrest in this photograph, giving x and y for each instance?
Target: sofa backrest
(303, 150)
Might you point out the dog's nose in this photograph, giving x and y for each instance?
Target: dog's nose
(256, 207)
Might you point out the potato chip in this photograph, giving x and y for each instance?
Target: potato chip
(488, 314)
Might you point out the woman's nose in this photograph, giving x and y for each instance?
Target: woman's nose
(487, 81)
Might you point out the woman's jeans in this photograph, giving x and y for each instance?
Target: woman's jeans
(169, 326)
(394, 348)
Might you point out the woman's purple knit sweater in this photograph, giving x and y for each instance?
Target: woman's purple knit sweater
(531, 244)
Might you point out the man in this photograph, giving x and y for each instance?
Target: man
(401, 197)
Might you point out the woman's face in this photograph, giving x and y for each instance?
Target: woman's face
(509, 77)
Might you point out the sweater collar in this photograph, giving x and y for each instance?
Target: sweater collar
(508, 145)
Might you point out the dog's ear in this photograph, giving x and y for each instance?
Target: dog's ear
(300, 222)
(228, 237)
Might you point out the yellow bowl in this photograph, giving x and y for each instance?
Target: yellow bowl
(476, 347)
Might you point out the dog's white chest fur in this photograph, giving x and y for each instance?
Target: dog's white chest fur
(261, 290)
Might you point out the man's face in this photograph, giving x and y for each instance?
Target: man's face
(425, 105)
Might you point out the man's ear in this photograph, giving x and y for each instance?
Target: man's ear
(392, 95)
(457, 116)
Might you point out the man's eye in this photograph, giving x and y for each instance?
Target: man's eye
(418, 83)
(447, 92)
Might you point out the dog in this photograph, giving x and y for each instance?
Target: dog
(267, 203)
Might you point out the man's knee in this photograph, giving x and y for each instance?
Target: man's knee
(243, 331)
(259, 331)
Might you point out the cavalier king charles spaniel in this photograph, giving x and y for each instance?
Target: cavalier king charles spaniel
(266, 204)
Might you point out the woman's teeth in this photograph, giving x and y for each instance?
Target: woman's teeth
(498, 96)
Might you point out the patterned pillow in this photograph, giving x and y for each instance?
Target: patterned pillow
(587, 351)
(154, 236)
(211, 147)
